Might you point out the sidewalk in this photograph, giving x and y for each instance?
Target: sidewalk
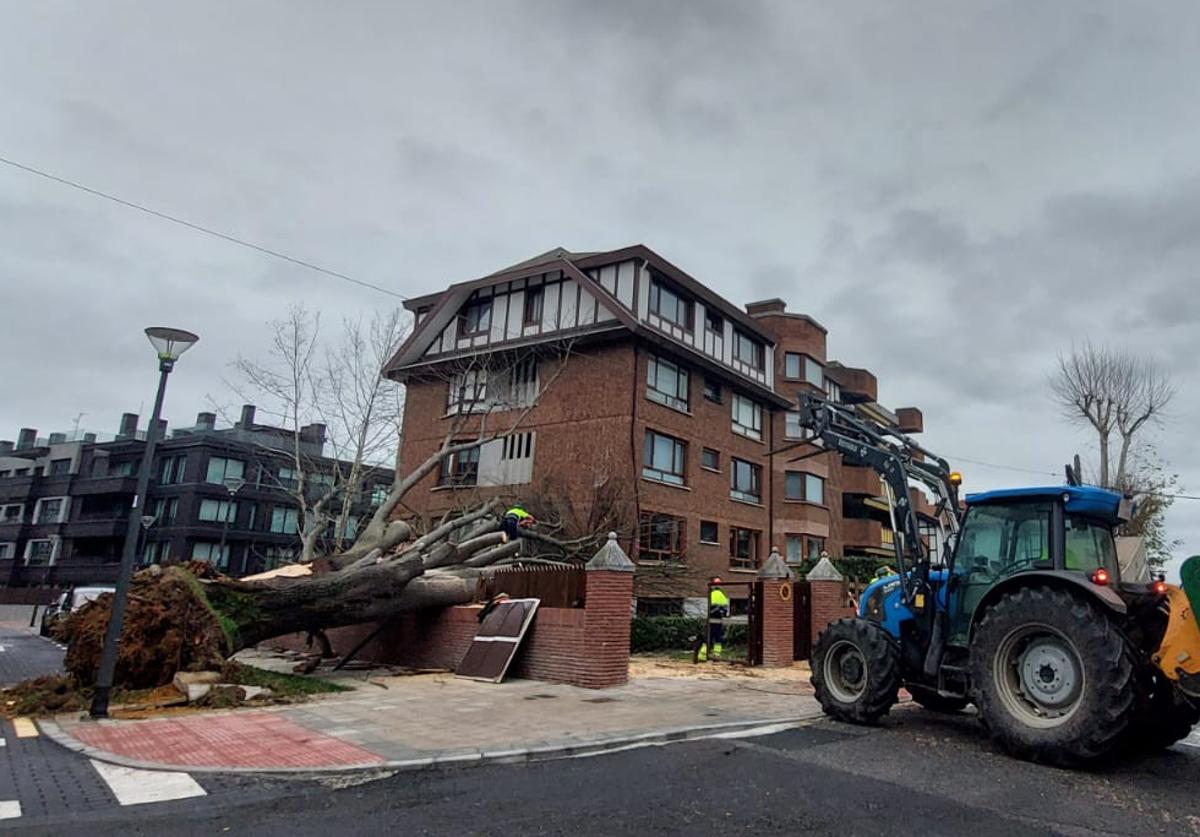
(421, 721)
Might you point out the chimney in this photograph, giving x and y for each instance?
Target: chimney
(162, 429)
(58, 438)
(206, 421)
(314, 433)
(247, 420)
(129, 422)
(89, 438)
(766, 306)
(6, 447)
(26, 438)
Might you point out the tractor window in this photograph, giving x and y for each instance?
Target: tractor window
(1090, 546)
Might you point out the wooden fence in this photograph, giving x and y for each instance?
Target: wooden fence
(555, 586)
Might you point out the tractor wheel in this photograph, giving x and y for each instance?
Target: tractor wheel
(1161, 718)
(856, 671)
(1052, 676)
(931, 700)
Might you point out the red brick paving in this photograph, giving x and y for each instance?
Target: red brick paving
(243, 739)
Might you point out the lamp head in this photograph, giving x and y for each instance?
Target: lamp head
(170, 343)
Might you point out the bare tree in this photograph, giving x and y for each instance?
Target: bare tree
(1115, 393)
(341, 415)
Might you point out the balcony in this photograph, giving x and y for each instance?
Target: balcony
(105, 485)
(862, 481)
(909, 420)
(70, 573)
(857, 385)
(863, 535)
(106, 527)
(15, 489)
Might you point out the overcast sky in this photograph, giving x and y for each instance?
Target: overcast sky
(956, 190)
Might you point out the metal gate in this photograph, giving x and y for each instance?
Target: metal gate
(745, 596)
(801, 620)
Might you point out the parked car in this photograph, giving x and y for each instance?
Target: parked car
(69, 602)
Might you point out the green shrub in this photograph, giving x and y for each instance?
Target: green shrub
(674, 633)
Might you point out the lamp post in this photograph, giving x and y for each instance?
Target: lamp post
(170, 343)
(233, 485)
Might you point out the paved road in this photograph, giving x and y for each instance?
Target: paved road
(24, 654)
(918, 774)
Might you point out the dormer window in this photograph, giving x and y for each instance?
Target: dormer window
(670, 305)
(475, 319)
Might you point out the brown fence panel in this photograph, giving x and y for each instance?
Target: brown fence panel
(555, 586)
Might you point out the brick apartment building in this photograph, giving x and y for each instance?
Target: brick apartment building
(649, 381)
(216, 494)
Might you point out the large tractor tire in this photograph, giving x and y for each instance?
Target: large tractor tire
(1052, 676)
(930, 699)
(856, 671)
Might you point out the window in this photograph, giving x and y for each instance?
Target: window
(128, 468)
(713, 321)
(833, 390)
(670, 305)
(806, 487)
(476, 318)
(517, 446)
(378, 494)
(745, 481)
(288, 478)
(170, 470)
(1090, 546)
(814, 373)
(533, 306)
(49, 510)
(710, 459)
(8, 551)
(802, 547)
(165, 510)
(747, 350)
(743, 548)
(460, 468)
(708, 532)
(221, 469)
(468, 391)
(931, 534)
(285, 521)
(792, 364)
(667, 383)
(59, 466)
(660, 537)
(1009, 538)
(517, 388)
(39, 553)
(663, 458)
(13, 513)
(278, 555)
(213, 553)
(747, 417)
(218, 511)
(155, 552)
(712, 390)
(792, 428)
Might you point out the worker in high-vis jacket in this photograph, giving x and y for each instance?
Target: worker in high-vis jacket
(718, 609)
(514, 520)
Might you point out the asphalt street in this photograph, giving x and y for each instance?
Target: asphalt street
(918, 773)
(24, 654)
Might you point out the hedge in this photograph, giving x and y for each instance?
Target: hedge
(673, 633)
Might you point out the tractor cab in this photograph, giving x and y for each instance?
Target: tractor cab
(1063, 532)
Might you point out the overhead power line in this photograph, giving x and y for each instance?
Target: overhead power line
(1053, 474)
(199, 228)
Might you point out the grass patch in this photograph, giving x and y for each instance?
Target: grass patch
(281, 685)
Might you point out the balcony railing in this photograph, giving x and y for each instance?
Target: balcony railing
(71, 573)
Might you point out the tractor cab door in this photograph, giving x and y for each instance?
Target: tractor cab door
(996, 541)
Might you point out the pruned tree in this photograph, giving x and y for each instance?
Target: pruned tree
(1116, 394)
(335, 391)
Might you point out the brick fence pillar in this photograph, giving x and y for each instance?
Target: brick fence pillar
(777, 612)
(828, 592)
(607, 604)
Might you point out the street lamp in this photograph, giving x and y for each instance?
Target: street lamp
(233, 485)
(169, 343)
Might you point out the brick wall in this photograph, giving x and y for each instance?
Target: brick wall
(777, 623)
(829, 603)
(586, 647)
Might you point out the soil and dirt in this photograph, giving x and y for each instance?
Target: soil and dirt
(168, 627)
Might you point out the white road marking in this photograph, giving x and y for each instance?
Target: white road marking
(136, 787)
(10, 809)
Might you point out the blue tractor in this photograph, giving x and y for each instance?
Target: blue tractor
(1024, 614)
